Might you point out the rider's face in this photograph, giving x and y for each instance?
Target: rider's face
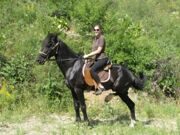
(97, 30)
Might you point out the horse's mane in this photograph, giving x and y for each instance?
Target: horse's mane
(66, 47)
(63, 44)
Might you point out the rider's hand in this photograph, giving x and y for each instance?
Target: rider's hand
(85, 56)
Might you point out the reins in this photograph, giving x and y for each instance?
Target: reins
(70, 59)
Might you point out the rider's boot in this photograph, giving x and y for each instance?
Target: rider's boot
(100, 89)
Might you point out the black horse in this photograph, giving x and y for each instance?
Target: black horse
(71, 65)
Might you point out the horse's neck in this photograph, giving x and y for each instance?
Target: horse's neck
(65, 52)
(65, 58)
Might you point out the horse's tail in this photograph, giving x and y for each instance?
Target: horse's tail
(139, 82)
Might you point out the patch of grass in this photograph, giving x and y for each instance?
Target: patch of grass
(113, 129)
(153, 108)
(38, 106)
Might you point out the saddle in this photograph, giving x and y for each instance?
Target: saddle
(104, 74)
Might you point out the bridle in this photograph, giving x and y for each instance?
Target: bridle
(56, 46)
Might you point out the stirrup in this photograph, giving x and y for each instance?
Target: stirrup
(99, 91)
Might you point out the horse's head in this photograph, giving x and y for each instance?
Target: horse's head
(49, 48)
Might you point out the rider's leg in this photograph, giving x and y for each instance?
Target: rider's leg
(97, 66)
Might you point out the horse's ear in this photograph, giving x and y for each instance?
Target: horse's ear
(55, 37)
(57, 34)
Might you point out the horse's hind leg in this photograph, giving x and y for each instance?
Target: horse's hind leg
(131, 106)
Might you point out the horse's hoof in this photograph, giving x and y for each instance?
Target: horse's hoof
(133, 122)
(131, 125)
(109, 97)
(78, 120)
(90, 124)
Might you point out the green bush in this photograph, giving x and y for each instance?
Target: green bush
(166, 77)
(54, 89)
(88, 13)
(17, 70)
(127, 43)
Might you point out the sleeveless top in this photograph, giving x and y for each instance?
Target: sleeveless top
(99, 42)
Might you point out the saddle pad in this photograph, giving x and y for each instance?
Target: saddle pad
(103, 75)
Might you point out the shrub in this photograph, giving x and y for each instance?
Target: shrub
(17, 70)
(127, 44)
(166, 78)
(54, 89)
(88, 13)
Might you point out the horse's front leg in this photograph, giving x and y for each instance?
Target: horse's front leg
(76, 105)
(80, 95)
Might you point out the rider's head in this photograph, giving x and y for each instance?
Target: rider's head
(97, 30)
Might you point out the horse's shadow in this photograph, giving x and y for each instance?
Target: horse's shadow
(122, 119)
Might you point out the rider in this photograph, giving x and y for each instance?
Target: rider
(98, 52)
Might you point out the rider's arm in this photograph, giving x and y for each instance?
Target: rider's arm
(99, 49)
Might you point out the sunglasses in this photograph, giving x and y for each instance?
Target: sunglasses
(96, 29)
